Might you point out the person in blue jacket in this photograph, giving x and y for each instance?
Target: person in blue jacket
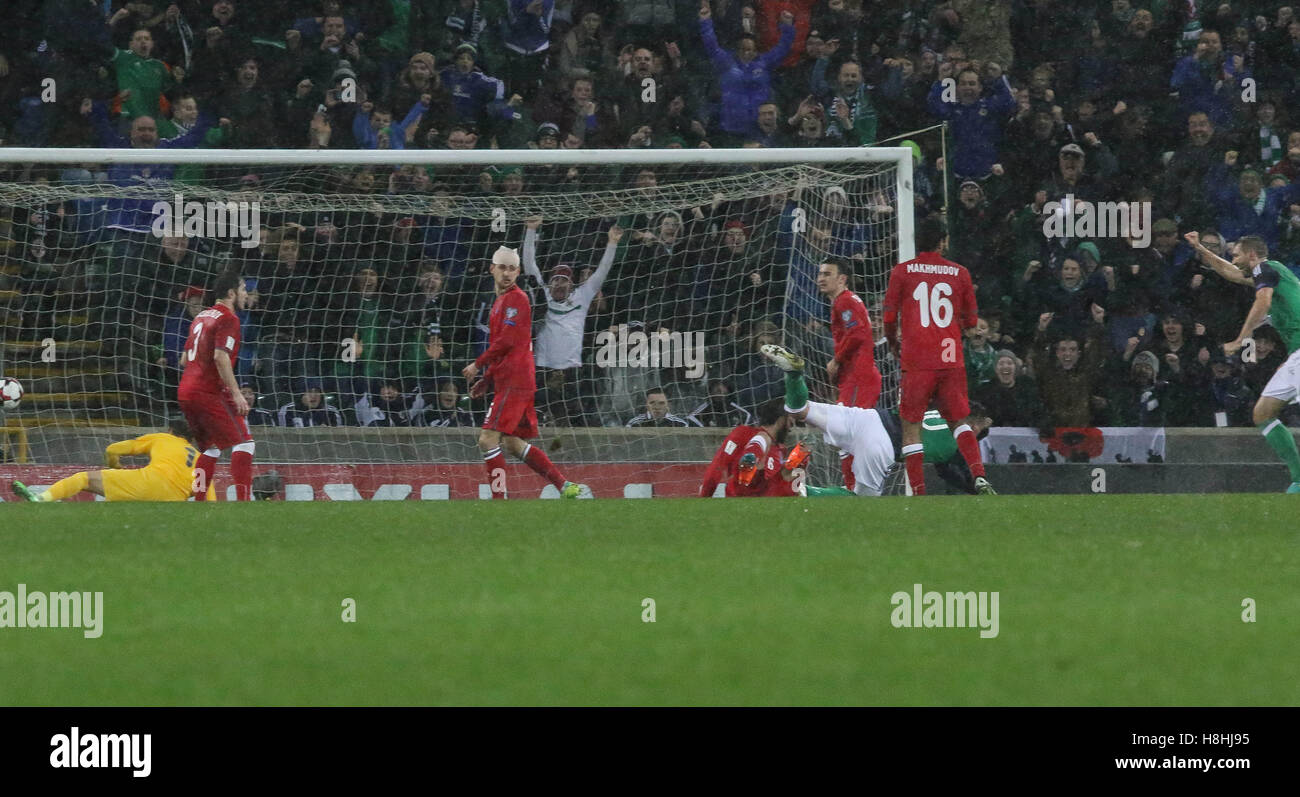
(1245, 207)
(977, 121)
(375, 129)
(745, 76)
(526, 34)
(1209, 81)
(476, 98)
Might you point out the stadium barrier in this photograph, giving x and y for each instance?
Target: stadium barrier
(653, 447)
(632, 480)
(434, 464)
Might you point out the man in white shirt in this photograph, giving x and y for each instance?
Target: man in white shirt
(559, 342)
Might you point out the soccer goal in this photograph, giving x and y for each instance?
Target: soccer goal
(655, 275)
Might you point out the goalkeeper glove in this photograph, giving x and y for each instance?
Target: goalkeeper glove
(797, 456)
(748, 467)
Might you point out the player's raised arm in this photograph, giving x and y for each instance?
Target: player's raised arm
(1221, 267)
(592, 285)
(529, 251)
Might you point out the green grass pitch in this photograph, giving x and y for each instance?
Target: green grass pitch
(1104, 600)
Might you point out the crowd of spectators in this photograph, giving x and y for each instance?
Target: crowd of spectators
(363, 317)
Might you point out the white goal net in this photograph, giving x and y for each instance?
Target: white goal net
(369, 278)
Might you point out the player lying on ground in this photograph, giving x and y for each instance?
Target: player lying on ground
(930, 300)
(871, 437)
(738, 459)
(169, 476)
(1277, 300)
(507, 366)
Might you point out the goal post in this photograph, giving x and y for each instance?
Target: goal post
(368, 270)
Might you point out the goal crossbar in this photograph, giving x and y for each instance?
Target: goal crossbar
(901, 157)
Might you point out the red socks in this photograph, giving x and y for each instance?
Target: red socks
(541, 464)
(496, 470)
(914, 460)
(846, 468)
(204, 469)
(533, 457)
(970, 449)
(241, 470)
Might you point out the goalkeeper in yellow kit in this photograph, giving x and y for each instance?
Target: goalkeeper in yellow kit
(169, 476)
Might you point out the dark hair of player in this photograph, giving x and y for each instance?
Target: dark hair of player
(769, 412)
(841, 267)
(929, 234)
(226, 282)
(655, 391)
(179, 427)
(1253, 244)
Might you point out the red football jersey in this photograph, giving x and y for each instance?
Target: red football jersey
(509, 354)
(768, 480)
(933, 300)
(216, 328)
(854, 343)
(724, 461)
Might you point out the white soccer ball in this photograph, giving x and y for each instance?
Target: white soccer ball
(11, 393)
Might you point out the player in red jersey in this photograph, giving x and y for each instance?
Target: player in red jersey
(209, 395)
(508, 364)
(933, 300)
(763, 443)
(723, 466)
(853, 368)
(761, 469)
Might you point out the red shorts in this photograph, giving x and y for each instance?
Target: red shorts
(214, 421)
(512, 413)
(946, 386)
(859, 392)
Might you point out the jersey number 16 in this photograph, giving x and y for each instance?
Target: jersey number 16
(934, 305)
